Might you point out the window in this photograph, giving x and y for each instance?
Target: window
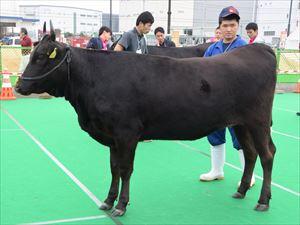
(269, 33)
(82, 23)
(188, 31)
(83, 15)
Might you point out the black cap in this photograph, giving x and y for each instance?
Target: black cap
(230, 10)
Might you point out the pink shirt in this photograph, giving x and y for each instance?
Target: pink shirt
(104, 44)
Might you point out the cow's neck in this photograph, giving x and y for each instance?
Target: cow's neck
(81, 70)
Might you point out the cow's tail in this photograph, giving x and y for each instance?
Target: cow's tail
(112, 47)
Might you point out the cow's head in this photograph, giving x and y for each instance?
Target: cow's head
(47, 70)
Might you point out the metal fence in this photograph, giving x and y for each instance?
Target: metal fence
(287, 63)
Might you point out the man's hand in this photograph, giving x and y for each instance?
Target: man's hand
(157, 42)
(119, 48)
(22, 36)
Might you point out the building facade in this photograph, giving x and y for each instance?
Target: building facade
(70, 19)
(206, 15)
(272, 18)
(182, 13)
(11, 21)
(200, 17)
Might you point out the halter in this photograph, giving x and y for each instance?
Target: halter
(66, 57)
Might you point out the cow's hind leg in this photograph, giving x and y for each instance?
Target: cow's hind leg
(126, 150)
(245, 139)
(266, 150)
(114, 187)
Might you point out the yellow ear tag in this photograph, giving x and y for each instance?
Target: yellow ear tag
(53, 54)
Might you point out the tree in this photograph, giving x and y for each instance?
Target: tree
(68, 34)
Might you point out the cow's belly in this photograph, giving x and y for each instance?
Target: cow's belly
(183, 129)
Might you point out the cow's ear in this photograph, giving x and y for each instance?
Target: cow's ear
(44, 28)
(52, 33)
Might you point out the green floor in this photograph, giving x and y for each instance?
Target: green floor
(164, 187)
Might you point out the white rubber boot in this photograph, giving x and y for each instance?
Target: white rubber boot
(217, 164)
(242, 160)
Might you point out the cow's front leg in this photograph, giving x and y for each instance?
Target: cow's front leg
(126, 150)
(114, 187)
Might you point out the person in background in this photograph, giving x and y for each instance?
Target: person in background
(26, 44)
(229, 24)
(252, 32)
(161, 41)
(101, 42)
(217, 37)
(134, 40)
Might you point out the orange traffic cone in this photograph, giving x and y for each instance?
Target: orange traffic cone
(7, 90)
(297, 89)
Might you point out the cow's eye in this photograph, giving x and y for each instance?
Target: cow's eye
(41, 56)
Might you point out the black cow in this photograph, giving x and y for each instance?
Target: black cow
(122, 98)
(174, 52)
(182, 52)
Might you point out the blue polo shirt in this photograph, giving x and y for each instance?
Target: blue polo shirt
(218, 137)
(218, 47)
(95, 43)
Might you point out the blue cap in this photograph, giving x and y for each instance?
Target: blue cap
(230, 10)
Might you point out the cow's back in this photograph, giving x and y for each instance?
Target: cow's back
(179, 52)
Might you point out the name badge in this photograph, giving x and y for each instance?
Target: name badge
(139, 51)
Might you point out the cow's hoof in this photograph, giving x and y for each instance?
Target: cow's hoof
(261, 207)
(117, 212)
(238, 195)
(105, 206)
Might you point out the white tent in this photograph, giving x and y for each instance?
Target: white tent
(293, 40)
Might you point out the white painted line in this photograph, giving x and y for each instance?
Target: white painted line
(56, 161)
(284, 134)
(66, 220)
(239, 169)
(286, 110)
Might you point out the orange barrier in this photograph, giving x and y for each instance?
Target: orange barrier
(297, 90)
(6, 90)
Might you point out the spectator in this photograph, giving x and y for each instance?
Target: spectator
(161, 41)
(26, 44)
(101, 42)
(134, 39)
(217, 37)
(252, 32)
